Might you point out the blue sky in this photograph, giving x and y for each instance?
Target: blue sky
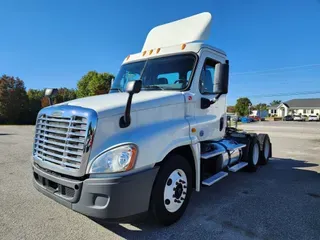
(54, 43)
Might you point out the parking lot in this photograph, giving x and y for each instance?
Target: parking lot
(279, 201)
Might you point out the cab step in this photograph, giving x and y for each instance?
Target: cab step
(214, 178)
(238, 166)
(216, 149)
(213, 153)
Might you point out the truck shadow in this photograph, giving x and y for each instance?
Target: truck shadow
(209, 209)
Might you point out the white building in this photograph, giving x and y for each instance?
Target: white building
(307, 106)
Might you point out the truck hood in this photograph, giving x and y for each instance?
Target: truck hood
(114, 103)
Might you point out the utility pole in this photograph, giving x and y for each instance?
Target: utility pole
(236, 121)
(249, 106)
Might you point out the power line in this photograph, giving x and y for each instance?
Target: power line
(283, 69)
(277, 81)
(285, 94)
(272, 73)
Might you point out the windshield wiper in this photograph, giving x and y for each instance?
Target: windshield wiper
(152, 87)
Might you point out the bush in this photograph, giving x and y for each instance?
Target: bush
(20, 107)
(13, 100)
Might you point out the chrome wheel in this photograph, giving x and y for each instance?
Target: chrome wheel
(175, 190)
(255, 157)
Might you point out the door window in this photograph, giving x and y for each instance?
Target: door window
(207, 77)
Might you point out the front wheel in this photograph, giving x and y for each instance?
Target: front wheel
(172, 190)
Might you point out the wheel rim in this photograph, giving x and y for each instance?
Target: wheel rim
(266, 149)
(255, 156)
(175, 190)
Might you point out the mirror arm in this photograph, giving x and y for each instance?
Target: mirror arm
(215, 99)
(126, 119)
(131, 88)
(50, 101)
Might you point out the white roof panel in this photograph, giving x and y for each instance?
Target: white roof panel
(186, 30)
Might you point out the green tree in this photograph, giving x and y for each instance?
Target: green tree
(275, 102)
(261, 107)
(38, 101)
(35, 96)
(13, 100)
(94, 83)
(242, 106)
(65, 94)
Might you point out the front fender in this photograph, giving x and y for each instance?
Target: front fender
(154, 140)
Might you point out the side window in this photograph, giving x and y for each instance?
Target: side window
(207, 77)
(133, 76)
(189, 74)
(127, 77)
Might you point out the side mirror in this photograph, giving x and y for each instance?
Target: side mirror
(51, 93)
(221, 78)
(205, 103)
(131, 88)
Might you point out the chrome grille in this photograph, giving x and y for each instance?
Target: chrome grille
(61, 140)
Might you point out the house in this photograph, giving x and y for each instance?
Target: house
(307, 106)
(272, 110)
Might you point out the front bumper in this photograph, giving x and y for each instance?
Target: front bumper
(106, 198)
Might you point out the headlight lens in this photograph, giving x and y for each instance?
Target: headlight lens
(119, 159)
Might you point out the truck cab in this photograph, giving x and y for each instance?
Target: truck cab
(160, 133)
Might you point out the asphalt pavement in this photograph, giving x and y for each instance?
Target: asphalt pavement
(280, 201)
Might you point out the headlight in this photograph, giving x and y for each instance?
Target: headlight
(119, 159)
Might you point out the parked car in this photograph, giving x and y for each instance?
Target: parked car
(246, 119)
(257, 118)
(288, 118)
(299, 118)
(313, 118)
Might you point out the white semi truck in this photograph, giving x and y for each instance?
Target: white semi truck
(158, 135)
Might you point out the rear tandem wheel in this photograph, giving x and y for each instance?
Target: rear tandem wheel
(265, 148)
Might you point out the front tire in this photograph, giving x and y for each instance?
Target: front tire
(172, 190)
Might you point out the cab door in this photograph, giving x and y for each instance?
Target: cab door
(210, 120)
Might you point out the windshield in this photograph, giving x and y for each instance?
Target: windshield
(165, 73)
